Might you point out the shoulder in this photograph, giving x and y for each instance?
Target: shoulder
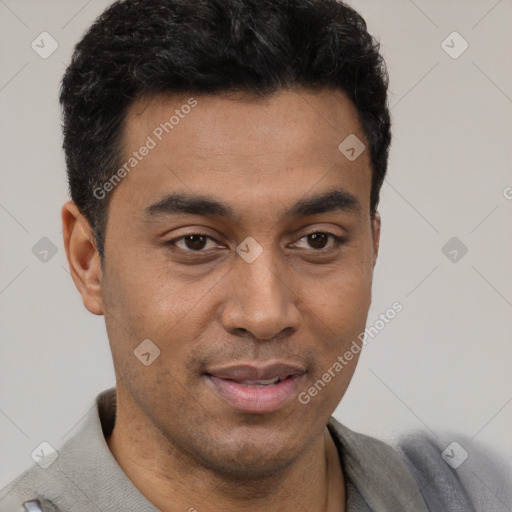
(458, 473)
(57, 482)
(29, 491)
(451, 473)
(377, 471)
(360, 450)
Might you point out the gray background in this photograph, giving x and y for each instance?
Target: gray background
(442, 365)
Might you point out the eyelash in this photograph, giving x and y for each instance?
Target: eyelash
(338, 241)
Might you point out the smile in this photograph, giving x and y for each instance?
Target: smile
(257, 390)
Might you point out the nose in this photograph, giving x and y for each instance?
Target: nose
(260, 300)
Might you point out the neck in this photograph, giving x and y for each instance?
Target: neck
(174, 481)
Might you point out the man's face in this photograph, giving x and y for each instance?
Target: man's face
(223, 321)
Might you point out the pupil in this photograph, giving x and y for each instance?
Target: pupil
(195, 241)
(318, 240)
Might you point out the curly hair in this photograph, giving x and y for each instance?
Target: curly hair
(143, 47)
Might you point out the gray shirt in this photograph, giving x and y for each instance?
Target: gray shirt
(86, 476)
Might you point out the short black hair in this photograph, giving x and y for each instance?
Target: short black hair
(138, 48)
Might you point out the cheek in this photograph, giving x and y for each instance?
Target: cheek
(339, 319)
(344, 298)
(154, 304)
(339, 312)
(151, 298)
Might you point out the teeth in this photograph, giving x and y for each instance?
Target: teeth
(259, 383)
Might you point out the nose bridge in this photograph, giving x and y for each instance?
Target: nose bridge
(261, 301)
(261, 281)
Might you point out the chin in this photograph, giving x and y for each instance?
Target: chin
(240, 459)
(255, 466)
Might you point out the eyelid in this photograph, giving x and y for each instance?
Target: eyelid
(338, 240)
(192, 233)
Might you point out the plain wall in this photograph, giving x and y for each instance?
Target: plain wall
(442, 365)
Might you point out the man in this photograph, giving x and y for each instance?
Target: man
(225, 159)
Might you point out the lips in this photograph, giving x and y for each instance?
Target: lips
(247, 372)
(257, 389)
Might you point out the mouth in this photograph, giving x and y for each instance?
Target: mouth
(253, 389)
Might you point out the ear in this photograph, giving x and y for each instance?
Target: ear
(83, 257)
(375, 235)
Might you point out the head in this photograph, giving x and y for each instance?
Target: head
(215, 214)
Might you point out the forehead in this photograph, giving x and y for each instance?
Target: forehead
(298, 120)
(269, 150)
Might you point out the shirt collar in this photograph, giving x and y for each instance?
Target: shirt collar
(374, 471)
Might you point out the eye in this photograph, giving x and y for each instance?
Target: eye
(319, 240)
(194, 242)
(198, 242)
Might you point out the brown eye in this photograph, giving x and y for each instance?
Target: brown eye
(319, 240)
(195, 242)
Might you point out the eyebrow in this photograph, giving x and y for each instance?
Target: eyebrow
(184, 203)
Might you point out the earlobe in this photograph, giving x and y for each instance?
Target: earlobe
(83, 257)
(375, 235)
